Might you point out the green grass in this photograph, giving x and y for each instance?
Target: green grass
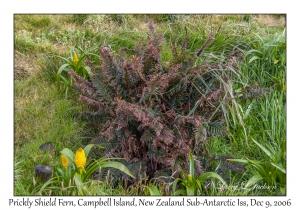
(42, 113)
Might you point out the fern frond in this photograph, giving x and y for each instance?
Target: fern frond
(83, 85)
(216, 128)
(102, 89)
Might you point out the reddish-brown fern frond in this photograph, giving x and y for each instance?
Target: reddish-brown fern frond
(83, 85)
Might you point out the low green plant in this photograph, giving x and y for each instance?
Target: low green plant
(77, 170)
(76, 63)
(267, 53)
(189, 185)
(272, 172)
(23, 44)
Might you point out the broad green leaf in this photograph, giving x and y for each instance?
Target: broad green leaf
(242, 161)
(88, 70)
(117, 165)
(265, 150)
(190, 186)
(207, 175)
(190, 179)
(88, 148)
(259, 167)
(91, 169)
(69, 154)
(254, 162)
(279, 167)
(199, 184)
(65, 59)
(154, 191)
(63, 67)
(180, 192)
(253, 59)
(252, 51)
(253, 180)
(61, 172)
(78, 183)
(175, 183)
(104, 159)
(79, 48)
(192, 165)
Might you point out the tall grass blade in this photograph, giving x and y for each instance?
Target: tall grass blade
(253, 180)
(270, 155)
(279, 168)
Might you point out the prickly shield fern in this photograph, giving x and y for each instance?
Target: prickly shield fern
(153, 113)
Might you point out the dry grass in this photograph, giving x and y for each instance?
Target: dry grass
(24, 65)
(272, 20)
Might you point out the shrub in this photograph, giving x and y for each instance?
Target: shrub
(154, 114)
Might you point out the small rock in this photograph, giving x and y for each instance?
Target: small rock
(43, 172)
(47, 146)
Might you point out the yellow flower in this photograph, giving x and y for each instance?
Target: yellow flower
(75, 58)
(64, 161)
(80, 159)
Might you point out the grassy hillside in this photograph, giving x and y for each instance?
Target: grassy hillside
(252, 46)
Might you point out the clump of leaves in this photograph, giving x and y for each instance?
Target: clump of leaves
(271, 172)
(189, 185)
(78, 170)
(150, 113)
(77, 64)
